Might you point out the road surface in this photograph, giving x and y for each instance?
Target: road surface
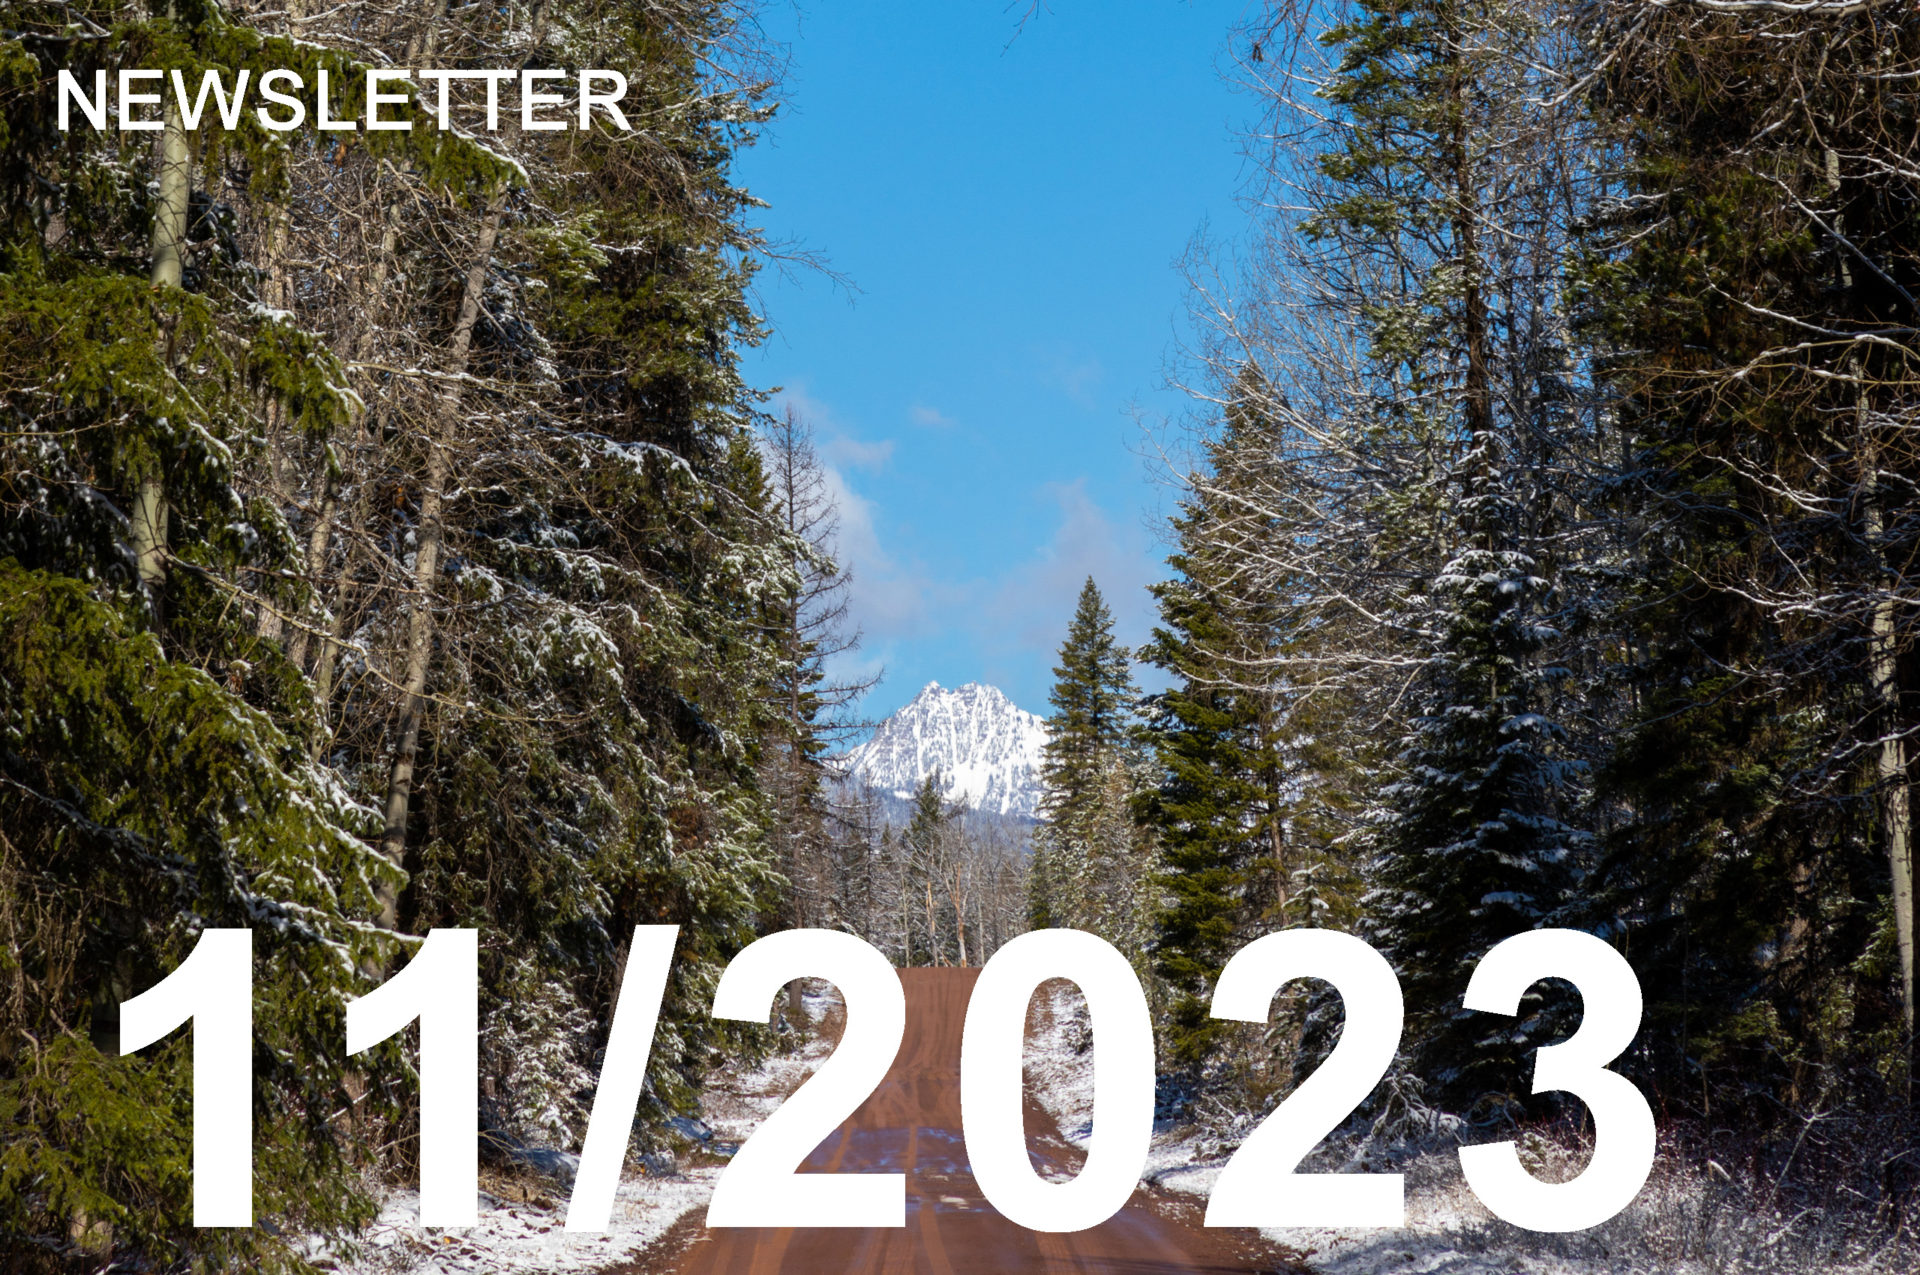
(911, 1124)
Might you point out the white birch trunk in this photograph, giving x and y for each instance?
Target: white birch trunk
(1893, 790)
(169, 241)
(431, 535)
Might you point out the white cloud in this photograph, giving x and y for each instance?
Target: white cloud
(855, 453)
(931, 417)
(889, 597)
(1012, 619)
(835, 443)
(811, 409)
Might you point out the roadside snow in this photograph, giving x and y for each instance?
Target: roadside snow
(525, 1236)
(530, 1235)
(1689, 1219)
(1059, 1059)
(735, 1103)
(1685, 1222)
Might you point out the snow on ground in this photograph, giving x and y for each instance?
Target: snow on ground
(1688, 1221)
(1059, 1059)
(734, 1103)
(1684, 1222)
(528, 1234)
(1691, 1219)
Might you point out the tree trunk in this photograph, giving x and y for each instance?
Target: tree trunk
(1466, 212)
(277, 293)
(358, 345)
(323, 666)
(413, 703)
(1893, 790)
(169, 241)
(960, 922)
(1276, 824)
(430, 536)
(316, 560)
(933, 933)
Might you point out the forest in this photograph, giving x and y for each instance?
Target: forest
(390, 540)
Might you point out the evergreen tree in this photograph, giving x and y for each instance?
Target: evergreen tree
(370, 489)
(1121, 894)
(1473, 848)
(1421, 528)
(1093, 696)
(889, 929)
(1760, 859)
(925, 850)
(1040, 888)
(154, 778)
(1236, 803)
(601, 683)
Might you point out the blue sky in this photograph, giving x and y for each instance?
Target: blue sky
(1009, 211)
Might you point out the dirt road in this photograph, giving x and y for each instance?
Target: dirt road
(911, 1124)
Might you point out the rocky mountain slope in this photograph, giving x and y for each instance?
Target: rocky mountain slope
(985, 747)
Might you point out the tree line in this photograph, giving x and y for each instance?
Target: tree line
(1542, 557)
(927, 881)
(388, 541)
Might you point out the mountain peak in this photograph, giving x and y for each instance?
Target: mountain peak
(984, 746)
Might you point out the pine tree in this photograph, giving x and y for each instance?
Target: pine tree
(603, 683)
(1760, 859)
(1093, 696)
(154, 779)
(360, 488)
(1473, 847)
(925, 850)
(1444, 191)
(893, 928)
(1237, 804)
(1040, 887)
(1122, 862)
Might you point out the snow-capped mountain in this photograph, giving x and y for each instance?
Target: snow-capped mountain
(986, 748)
